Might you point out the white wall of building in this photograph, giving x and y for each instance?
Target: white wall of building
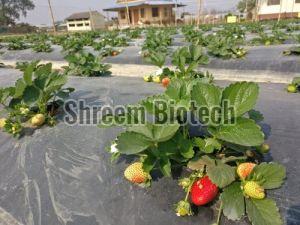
(287, 6)
(79, 25)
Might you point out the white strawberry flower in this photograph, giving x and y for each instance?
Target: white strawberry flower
(158, 72)
(113, 148)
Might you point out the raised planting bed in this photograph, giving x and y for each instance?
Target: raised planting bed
(63, 175)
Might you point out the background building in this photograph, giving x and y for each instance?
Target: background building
(143, 12)
(85, 21)
(270, 9)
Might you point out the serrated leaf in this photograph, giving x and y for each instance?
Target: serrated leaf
(221, 174)
(156, 132)
(20, 87)
(198, 163)
(208, 145)
(256, 115)
(244, 132)
(31, 95)
(263, 212)
(165, 166)
(186, 148)
(28, 74)
(242, 96)
(164, 132)
(130, 143)
(207, 96)
(233, 201)
(176, 90)
(273, 174)
(149, 163)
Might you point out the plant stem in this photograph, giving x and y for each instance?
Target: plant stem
(189, 189)
(220, 213)
(233, 158)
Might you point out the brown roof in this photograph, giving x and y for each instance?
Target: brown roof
(81, 15)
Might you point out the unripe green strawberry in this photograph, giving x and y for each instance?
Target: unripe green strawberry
(245, 169)
(254, 190)
(2, 122)
(264, 148)
(185, 182)
(135, 173)
(183, 208)
(292, 88)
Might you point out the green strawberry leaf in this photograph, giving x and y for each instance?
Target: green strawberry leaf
(20, 87)
(207, 96)
(165, 166)
(156, 133)
(130, 143)
(255, 115)
(221, 174)
(244, 132)
(164, 132)
(263, 212)
(149, 163)
(242, 96)
(270, 175)
(177, 90)
(208, 145)
(31, 94)
(198, 163)
(28, 75)
(233, 201)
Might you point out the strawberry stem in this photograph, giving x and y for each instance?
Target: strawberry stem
(233, 158)
(189, 189)
(220, 213)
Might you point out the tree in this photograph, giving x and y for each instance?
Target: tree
(243, 4)
(11, 10)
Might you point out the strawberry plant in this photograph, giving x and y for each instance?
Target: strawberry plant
(34, 100)
(276, 38)
(22, 66)
(294, 87)
(109, 51)
(133, 34)
(17, 44)
(161, 140)
(58, 40)
(225, 48)
(72, 45)
(42, 47)
(292, 51)
(87, 65)
(156, 41)
(187, 60)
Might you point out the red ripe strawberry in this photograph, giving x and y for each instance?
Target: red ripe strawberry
(203, 191)
(166, 81)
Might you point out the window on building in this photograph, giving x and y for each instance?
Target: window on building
(142, 13)
(122, 15)
(87, 24)
(155, 12)
(71, 25)
(273, 2)
(80, 25)
(166, 12)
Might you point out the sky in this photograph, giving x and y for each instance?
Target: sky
(64, 8)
